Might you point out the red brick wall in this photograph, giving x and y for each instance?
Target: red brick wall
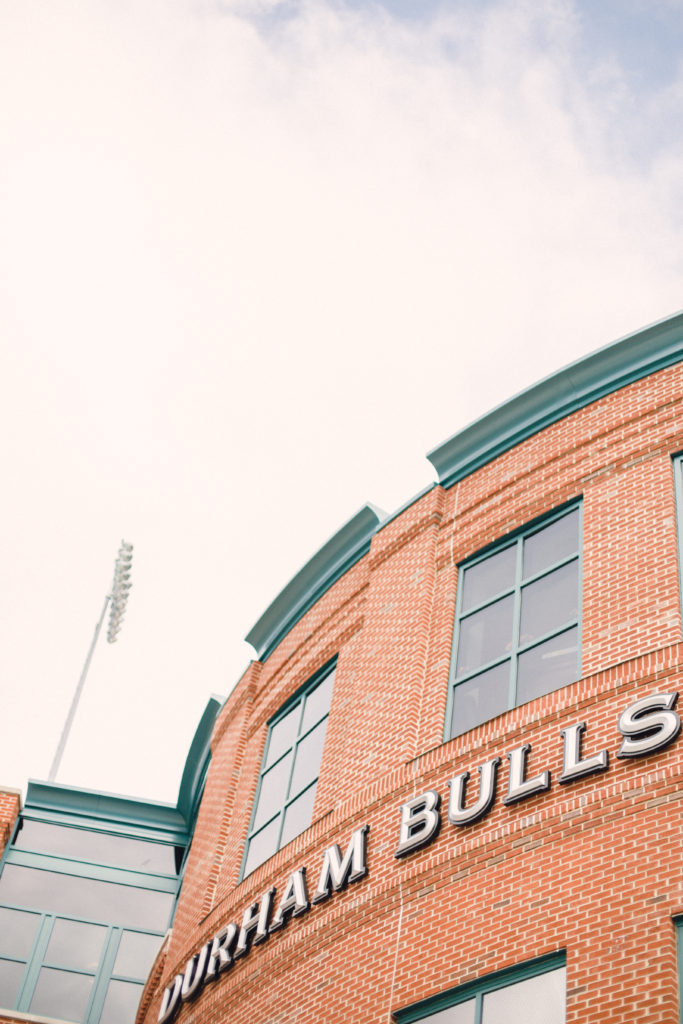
(591, 868)
(10, 805)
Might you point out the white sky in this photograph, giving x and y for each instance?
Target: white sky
(257, 258)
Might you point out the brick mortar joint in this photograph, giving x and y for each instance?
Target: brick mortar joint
(303, 674)
(241, 697)
(432, 520)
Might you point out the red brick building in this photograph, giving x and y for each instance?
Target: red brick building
(449, 789)
(10, 805)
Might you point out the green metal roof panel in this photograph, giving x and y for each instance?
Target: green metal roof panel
(104, 807)
(602, 372)
(310, 583)
(75, 805)
(197, 762)
(575, 386)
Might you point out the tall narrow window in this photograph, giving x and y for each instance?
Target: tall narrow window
(289, 774)
(517, 622)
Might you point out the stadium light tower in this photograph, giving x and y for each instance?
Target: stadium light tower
(119, 590)
(118, 596)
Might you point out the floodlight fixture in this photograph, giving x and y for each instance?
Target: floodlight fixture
(117, 599)
(119, 589)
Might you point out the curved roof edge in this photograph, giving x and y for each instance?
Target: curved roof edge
(337, 555)
(137, 811)
(574, 386)
(197, 760)
(612, 367)
(93, 803)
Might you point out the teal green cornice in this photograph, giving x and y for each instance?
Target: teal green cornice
(577, 385)
(76, 806)
(56, 800)
(197, 762)
(310, 583)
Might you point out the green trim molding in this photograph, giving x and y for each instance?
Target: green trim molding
(341, 551)
(570, 389)
(577, 385)
(423, 1010)
(130, 815)
(28, 1018)
(197, 762)
(152, 880)
(58, 802)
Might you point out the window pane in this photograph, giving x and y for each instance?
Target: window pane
(74, 944)
(551, 544)
(463, 1013)
(262, 846)
(61, 994)
(548, 666)
(481, 698)
(17, 931)
(121, 1003)
(550, 602)
(283, 734)
(10, 980)
(85, 897)
(99, 847)
(298, 816)
(485, 635)
(489, 577)
(136, 954)
(308, 757)
(318, 702)
(539, 1000)
(273, 791)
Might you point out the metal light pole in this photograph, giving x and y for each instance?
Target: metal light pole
(119, 589)
(118, 598)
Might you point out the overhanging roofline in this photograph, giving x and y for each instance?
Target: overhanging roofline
(310, 583)
(592, 377)
(197, 761)
(92, 803)
(612, 367)
(130, 811)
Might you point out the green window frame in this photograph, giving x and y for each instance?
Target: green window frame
(535, 990)
(285, 795)
(93, 982)
(517, 621)
(78, 936)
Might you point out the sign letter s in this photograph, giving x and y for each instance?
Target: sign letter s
(649, 724)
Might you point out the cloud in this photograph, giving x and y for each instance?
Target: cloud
(258, 258)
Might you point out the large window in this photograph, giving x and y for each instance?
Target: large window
(289, 773)
(517, 621)
(78, 970)
(533, 993)
(82, 915)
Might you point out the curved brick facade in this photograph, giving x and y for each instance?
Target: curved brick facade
(588, 867)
